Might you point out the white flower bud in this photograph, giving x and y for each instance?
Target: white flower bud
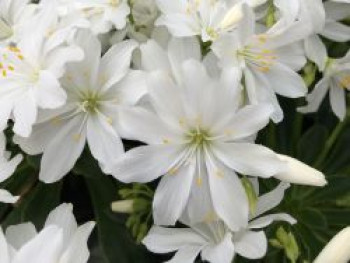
(124, 206)
(300, 173)
(337, 250)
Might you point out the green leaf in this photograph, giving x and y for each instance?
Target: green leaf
(312, 143)
(35, 207)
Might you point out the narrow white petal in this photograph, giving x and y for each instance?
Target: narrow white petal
(77, 250)
(165, 240)
(4, 250)
(338, 101)
(222, 252)
(172, 194)
(145, 163)
(62, 152)
(252, 245)
(316, 51)
(250, 159)
(271, 199)
(19, 235)
(264, 221)
(7, 197)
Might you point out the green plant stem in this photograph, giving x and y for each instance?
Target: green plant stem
(330, 142)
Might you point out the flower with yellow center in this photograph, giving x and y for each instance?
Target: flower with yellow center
(97, 88)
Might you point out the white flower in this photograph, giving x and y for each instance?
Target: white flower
(61, 240)
(197, 143)
(97, 88)
(206, 18)
(102, 14)
(214, 240)
(337, 250)
(336, 80)
(268, 61)
(29, 74)
(14, 15)
(7, 168)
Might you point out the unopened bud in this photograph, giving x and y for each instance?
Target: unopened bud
(300, 173)
(124, 206)
(337, 250)
(232, 17)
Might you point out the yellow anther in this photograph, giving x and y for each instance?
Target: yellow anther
(264, 69)
(20, 57)
(262, 38)
(172, 171)
(219, 173)
(56, 120)
(11, 68)
(166, 141)
(77, 137)
(345, 82)
(199, 181)
(109, 120)
(4, 73)
(210, 217)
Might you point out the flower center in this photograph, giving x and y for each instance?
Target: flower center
(198, 138)
(262, 59)
(90, 103)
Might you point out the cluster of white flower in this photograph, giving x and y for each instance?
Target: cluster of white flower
(194, 80)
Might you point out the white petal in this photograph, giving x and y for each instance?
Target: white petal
(248, 121)
(336, 10)
(44, 248)
(186, 255)
(77, 250)
(19, 235)
(252, 245)
(154, 57)
(316, 51)
(116, 63)
(316, 97)
(222, 252)
(228, 196)
(286, 82)
(165, 240)
(271, 199)
(180, 25)
(142, 125)
(25, 114)
(145, 163)
(49, 93)
(300, 173)
(264, 221)
(171, 196)
(7, 197)
(62, 217)
(337, 32)
(249, 159)
(4, 251)
(63, 151)
(104, 142)
(338, 101)
(337, 250)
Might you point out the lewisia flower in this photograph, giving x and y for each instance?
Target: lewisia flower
(206, 18)
(268, 61)
(102, 14)
(336, 80)
(61, 240)
(14, 15)
(198, 143)
(97, 88)
(214, 240)
(7, 168)
(29, 73)
(337, 250)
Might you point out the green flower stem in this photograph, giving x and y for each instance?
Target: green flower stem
(331, 141)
